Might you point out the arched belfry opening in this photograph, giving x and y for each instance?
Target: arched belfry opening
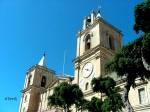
(88, 42)
(43, 81)
(29, 80)
(111, 43)
(88, 21)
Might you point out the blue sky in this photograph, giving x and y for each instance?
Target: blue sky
(28, 28)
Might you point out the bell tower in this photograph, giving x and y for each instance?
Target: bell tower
(38, 77)
(96, 44)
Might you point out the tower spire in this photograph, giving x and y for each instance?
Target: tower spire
(42, 61)
(98, 15)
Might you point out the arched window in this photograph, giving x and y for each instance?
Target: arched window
(86, 86)
(43, 81)
(111, 43)
(88, 42)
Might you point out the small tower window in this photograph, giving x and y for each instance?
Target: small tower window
(43, 81)
(29, 80)
(86, 86)
(88, 42)
(111, 43)
(23, 109)
(25, 98)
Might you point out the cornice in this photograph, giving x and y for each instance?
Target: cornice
(141, 107)
(93, 51)
(86, 54)
(113, 27)
(32, 87)
(58, 78)
(120, 81)
(89, 92)
(40, 67)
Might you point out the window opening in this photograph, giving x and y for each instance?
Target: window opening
(111, 43)
(25, 98)
(29, 80)
(88, 43)
(43, 81)
(142, 96)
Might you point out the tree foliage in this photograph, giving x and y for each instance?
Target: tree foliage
(112, 100)
(82, 104)
(128, 61)
(133, 59)
(103, 85)
(94, 105)
(142, 18)
(146, 48)
(65, 95)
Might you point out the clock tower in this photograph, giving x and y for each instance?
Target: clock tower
(96, 44)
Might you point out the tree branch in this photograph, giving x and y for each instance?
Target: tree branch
(146, 65)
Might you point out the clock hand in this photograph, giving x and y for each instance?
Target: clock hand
(87, 69)
(81, 80)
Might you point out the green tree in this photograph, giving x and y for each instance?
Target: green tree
(128, 62)
(112, 101)
(142, 23)
(65, 95)
(103, 85)
(142, 20)
(94, 105)
(133, 60)
(82, 104)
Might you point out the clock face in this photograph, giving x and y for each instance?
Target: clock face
(87, 69)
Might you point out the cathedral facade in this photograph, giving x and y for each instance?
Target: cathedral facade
(97, 43)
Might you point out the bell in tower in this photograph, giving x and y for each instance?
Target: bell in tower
(97, 42)
(89, 21)
(43, 81)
